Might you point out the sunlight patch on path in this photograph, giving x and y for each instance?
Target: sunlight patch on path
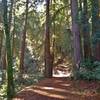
(61, 74)
(47, 93)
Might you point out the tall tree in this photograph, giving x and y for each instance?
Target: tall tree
(76, 32)
(13, 31)
(47, 54)
(80, 24)
(96, 28)
(10, 83)
(1, 41)
(86, 31)
(23, 42)
(1, 31)
(11, 13)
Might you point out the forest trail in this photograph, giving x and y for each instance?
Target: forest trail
(63, 68)
(59, 88)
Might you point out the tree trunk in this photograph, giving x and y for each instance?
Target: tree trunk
(47, 54)
(23, 43)
(96, 29)
(86, 31)
(76, 32)
(10, 83)
(53, 37)
(4, 60)
(13, 34)
(1, 41)
(10, 14)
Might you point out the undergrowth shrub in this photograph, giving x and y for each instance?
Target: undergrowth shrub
(89, 70)
(3, 88)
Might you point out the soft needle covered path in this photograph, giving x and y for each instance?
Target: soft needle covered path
(61, 89)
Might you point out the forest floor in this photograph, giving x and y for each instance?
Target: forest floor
(61, 88)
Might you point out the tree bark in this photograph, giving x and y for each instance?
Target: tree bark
(14, 33)
(86, 31)
(23, 43)
(76, 32)
(10, 83)
(47, 54)
(10, 14)
(96, 28)
(1, 41)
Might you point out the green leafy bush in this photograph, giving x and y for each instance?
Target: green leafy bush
(89, 70)
(3, 89)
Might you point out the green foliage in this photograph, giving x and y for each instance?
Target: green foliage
(3, 89)
(89, 70)
(96, 38)
(88, 64)
(29, 78)
(63, 42)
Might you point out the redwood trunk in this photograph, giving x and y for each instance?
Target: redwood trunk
(76, 32)
(23, 43)
(86, 32)
(97, 51)
(96, 28)
(10, 82)
(48, 58)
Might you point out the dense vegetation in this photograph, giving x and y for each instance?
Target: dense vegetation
(35, 35)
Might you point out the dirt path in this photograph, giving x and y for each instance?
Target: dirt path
(61, 89)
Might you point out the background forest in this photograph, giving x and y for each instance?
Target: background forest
(38, 35)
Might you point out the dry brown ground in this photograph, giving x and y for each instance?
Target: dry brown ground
(61, 89)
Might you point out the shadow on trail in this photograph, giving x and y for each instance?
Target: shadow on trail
(57, 89)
